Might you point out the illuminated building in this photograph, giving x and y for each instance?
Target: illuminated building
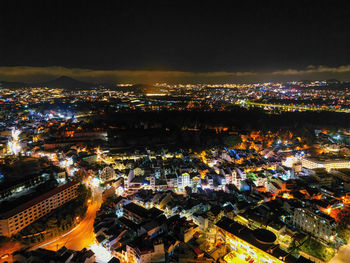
(317, 224)
(289, 161)
(171, 180)
(256, 245)
(329, 164)
(184, 180)
(324, 179)
(153, 182)
(13, 145)
(346, 199)
(135, 213)
(107, 174)
(14, 220)
(144, 251)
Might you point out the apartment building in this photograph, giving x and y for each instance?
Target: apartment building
(316, 223)
(14, 220)
(329, 164)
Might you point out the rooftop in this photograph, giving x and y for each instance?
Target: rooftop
(260, 238)
(37, 200)
(136, 209)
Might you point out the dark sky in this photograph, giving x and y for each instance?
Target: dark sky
(194, 36)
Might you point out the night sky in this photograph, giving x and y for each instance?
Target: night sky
(191, 36)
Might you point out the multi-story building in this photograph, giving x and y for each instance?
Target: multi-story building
(184, 180)
(328, 164)
(248, 245)
(312, 163)
(107, 174)
(14, 220)
(146, 251)
(323, 178)
(171, 180)
(135, 213)
(317, 224)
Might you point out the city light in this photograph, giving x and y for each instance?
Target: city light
(287, 196)
(187, 142)
(14, 146)
(101, 253)
(95, 182)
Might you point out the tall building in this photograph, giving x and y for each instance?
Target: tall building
(153, 182)
(14, 220)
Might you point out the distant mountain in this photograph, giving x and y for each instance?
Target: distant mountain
(62, 82)
(68, 83)
(13, 85)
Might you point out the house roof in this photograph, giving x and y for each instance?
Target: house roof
(136, 209)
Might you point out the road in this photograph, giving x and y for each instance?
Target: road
(76, 239)
(82, 236)
(7, 249)
(295, 107)
(343, 255)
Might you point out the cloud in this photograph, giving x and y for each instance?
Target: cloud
(24, 73)
(312, 69)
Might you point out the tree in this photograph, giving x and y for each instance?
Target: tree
(343, 217)
(343, 232)
(80, 175)
(52, 223)
(188, 190)
(83, 193)
(316, 249)
(232, 140)
(252, 176)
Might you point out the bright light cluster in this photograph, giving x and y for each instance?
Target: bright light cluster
(13, 146)
(66, 162)
(102, 254)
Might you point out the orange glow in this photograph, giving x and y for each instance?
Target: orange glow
(245, 252)
(287, 196)
(79, 150)
(69, 134)
(317, 197)
(346, 199)
(80, 236)
(203, 173)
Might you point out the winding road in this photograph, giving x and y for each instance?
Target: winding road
(343, 255)
(82, 236)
